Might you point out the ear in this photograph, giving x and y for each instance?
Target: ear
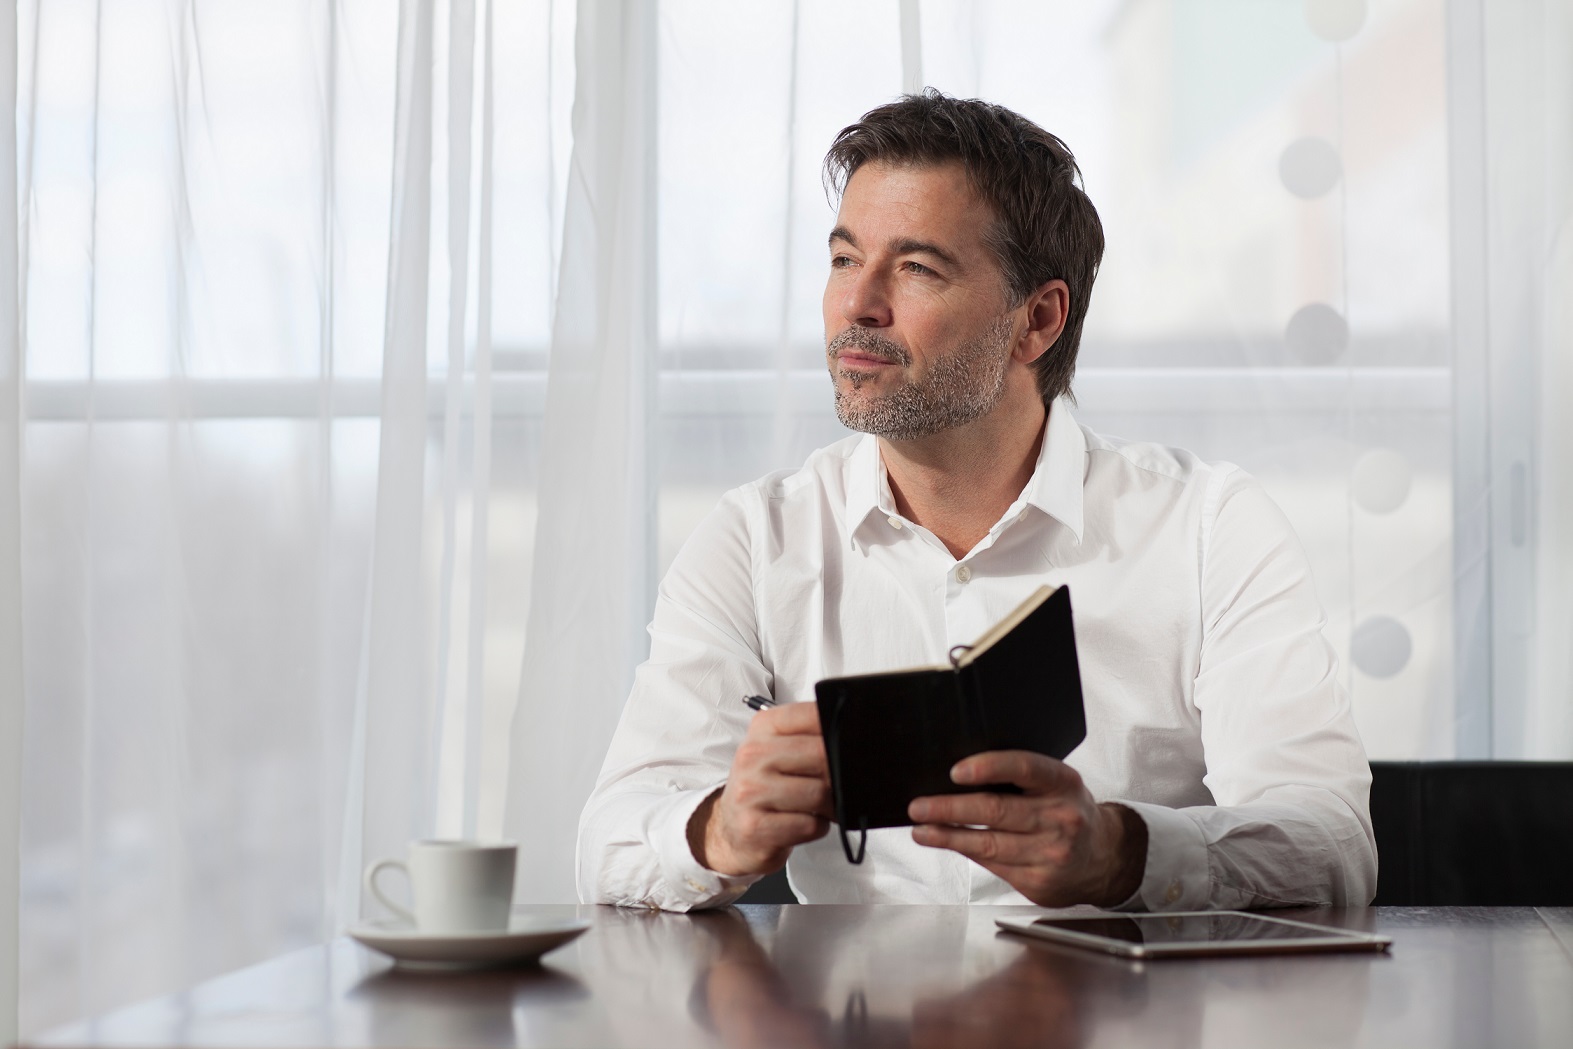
(1046, 310)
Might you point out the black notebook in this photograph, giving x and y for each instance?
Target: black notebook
(893, 737)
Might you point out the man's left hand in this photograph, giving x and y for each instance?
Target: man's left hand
(1053, 843)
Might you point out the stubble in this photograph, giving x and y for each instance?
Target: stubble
(959, 386)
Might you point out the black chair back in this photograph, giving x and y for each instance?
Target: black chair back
(1473, 833)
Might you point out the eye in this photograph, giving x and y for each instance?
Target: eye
(919, 269)
(840, 262)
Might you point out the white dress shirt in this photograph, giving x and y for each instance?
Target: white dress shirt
(1213, 703)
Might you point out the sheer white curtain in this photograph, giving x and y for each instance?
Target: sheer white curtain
(1550, 242)
(368, 362)
(12, 695)
(286, 285)
(593, 582)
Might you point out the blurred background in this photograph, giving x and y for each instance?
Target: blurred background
(378, 358)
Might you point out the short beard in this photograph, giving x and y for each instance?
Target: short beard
(959, 387)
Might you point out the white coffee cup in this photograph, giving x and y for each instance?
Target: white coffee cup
(458, 886)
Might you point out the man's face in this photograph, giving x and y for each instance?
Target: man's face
(918, 328)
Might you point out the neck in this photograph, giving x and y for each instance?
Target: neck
(958, 483)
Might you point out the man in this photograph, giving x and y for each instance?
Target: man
(1221, 766)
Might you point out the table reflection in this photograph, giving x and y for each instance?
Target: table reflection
(1041, 999)
(888, 979)
(817, 978)
(415, 1007)
(744, 999)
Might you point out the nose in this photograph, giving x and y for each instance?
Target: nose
(866, 301)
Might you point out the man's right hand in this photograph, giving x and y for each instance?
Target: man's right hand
(776, 797)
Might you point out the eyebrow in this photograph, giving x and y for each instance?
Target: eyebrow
(920, 247)
(907, 246)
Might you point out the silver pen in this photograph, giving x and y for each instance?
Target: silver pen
(758, 702)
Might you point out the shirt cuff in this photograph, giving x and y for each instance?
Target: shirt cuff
(690, 885)
(1177, 877)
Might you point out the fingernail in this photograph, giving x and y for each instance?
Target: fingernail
(961, 773)
(919, 811)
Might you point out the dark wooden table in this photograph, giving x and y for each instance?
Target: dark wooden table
(893, 976)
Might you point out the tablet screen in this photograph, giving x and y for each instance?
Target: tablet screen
(1224, 927)
(1192, 933)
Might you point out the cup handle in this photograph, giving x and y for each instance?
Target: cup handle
(371, 887)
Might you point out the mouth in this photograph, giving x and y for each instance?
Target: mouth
(858, 360)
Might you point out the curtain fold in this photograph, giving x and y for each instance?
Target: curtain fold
(593, 581)
(1551, 719)
(12, 693)
(400, 720)
(481, 442)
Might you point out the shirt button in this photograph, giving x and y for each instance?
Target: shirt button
(963, 573)
(1174, 892)
(895, 522)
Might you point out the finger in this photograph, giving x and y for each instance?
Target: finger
(990, 847)
(760, 786)
(793, 794)
(788, 755)
(789, 719)
(1034, 773)
(996, 811)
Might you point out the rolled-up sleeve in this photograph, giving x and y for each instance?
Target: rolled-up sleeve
(679, 729)
(1284, 761)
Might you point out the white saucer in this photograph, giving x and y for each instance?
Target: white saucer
(526, 940)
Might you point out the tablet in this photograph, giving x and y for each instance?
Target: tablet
(1192, 933)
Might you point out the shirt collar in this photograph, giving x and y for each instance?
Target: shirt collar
(1055, 486)
(867, 488)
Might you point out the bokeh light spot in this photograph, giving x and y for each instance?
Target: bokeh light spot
(1380, 480)
(1317, 334)
(1335, 20)
(1309, 167)
(1381, 647)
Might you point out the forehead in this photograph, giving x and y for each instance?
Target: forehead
(931, 202)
